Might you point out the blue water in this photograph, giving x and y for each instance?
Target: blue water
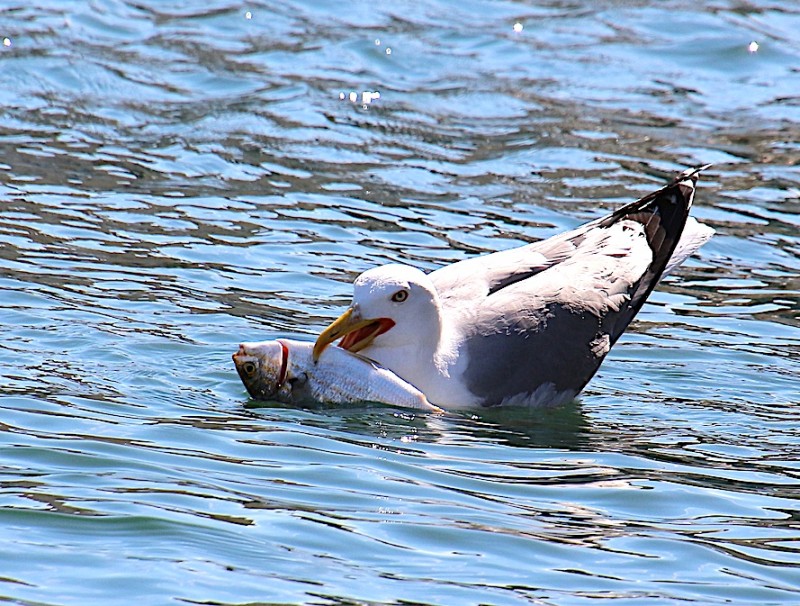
(177, 177)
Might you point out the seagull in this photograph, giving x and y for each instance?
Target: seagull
(527, 326)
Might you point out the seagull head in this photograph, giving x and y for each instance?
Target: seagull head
(394, 307)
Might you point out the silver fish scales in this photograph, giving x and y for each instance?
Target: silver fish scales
(283, 370)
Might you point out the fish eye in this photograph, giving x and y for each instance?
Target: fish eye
(249, 368)
(400, 296)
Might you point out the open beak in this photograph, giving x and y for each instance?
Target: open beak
(357, 332)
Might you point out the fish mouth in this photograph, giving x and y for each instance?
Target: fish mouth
(247, 367)
(263, 370)
(244, 362)
(356, 333)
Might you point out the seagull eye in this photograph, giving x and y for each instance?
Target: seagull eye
(400, 296)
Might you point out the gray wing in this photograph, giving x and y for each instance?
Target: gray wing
(553, 329)
(481, 276)
(550, 323)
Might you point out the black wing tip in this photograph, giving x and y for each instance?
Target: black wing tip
(684, 182)
(691, 173)
(663, 214)
(687, 180)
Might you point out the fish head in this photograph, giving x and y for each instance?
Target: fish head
(262, 368)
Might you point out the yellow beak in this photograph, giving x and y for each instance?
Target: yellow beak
(361, 332)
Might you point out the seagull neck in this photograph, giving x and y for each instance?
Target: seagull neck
(413, 351)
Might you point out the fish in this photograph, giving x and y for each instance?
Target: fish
(283, 370)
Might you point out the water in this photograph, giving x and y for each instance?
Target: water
(176, 179)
